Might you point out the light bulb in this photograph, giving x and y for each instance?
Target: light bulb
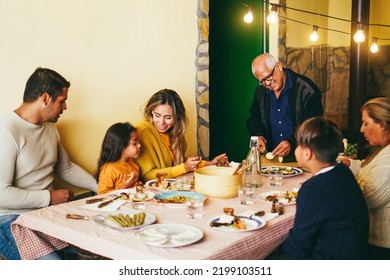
(248, 18)
(359, 36)
(314, 35)
(374, 47)
(272, 18)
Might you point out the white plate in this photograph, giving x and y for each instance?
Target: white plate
(187, 195)
(169, 235)
(149, 194)
(295, 171)
(151, 185)
(253, 223)
(103, 219)
(280, 196)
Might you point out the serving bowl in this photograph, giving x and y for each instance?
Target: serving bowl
(217, 182)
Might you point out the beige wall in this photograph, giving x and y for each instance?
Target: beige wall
(379, 14)
(116, 54)
(298, 34)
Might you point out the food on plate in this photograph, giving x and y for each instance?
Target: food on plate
(127, 221)
(223, 162)
(178, 199)
(290, 196)
(161, 183)
(286, 170)
(230, 220)
(239, 224)
(124, 196)
(160, 179)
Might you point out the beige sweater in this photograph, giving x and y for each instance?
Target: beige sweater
(374, 180)
(29, 156)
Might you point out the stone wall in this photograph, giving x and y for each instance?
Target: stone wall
(379, 73)
(202, 80)
(328, 67)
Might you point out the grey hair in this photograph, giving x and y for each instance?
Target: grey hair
(268, 59)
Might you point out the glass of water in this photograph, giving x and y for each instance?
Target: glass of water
(246, 194)
(194, 208)
(139, 200)
(275, 178)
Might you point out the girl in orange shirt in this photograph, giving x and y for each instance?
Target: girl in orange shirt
(116, 169)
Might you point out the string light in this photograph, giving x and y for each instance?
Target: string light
(359, 36)
(272, 18)
(248, 18)
(374, 47)
(314, 35)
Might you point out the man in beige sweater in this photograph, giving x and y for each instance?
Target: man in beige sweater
(31, 153)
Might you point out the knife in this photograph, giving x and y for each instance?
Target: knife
(76, 217)
(93, 200)
(105, 203)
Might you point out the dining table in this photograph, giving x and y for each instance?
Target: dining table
(45, 230)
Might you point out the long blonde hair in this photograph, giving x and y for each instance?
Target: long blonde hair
(180, 120)
(377, 109)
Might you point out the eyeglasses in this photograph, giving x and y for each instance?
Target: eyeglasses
(267, 79)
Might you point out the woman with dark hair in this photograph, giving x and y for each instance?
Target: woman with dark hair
(162, 135)
(116, 168)
(373, 174)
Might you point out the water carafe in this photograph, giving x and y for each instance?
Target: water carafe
(252, 175)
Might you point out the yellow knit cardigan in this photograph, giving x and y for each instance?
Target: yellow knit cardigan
(154, 157)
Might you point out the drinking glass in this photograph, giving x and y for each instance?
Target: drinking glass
(275, 178)
(194, 208)
(139, 200)
(246, 194)
(183, 183)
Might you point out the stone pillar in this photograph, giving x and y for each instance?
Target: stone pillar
(202, 80)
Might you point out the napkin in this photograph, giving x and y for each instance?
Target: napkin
(266, 217)
(226, 219)
(113, 206)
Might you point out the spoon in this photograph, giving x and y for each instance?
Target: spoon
(244, 168)
(230, 212)
(237, 168)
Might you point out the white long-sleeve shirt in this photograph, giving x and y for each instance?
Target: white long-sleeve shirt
(374, 180)
(29, 156)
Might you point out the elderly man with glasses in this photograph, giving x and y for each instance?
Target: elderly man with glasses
(283, 100)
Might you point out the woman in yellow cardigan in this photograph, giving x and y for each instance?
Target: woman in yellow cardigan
(161, 134)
